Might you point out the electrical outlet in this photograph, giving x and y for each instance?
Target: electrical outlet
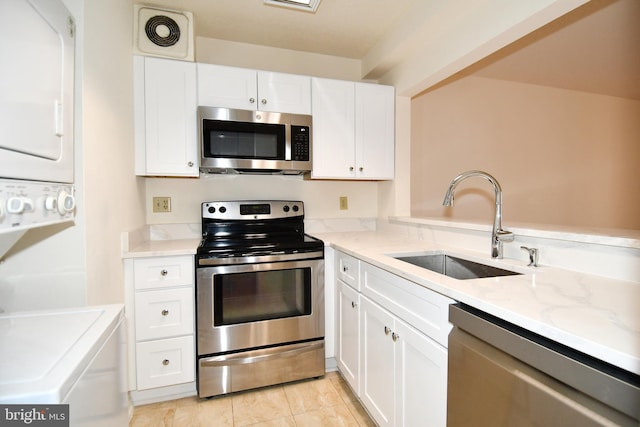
(344, 203)
(162, 204)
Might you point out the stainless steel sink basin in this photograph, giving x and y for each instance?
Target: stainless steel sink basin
(452, 266)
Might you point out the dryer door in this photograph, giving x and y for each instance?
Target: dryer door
(36, 82)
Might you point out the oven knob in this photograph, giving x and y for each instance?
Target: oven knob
(296, 208)
(286, 208)
(222, 209)
(211, 209)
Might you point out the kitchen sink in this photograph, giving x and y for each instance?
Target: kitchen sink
(455, 267)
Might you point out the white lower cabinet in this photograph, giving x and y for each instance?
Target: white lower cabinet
(160, 306)
(348, 346)
(420, 378)
(393, 355)
(377, 362)
(165, 362)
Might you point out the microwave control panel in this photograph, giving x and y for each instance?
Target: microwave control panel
(300, 143)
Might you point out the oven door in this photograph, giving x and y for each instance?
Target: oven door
(257, 305)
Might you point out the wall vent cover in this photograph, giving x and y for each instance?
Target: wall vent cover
(163, 33)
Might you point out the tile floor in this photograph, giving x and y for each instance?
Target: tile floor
(327, 401)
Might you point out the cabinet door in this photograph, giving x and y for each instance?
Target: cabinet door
(284, 93)
(375, 131)
(420, 379)
(333, 128)
(348, 356)
(171, 143)
(377, 362)
(165, 362)
(164, 313)
(227, 87)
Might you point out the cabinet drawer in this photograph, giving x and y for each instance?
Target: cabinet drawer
(163, 271)
(424, 309)
(165, 362)
(164, 313)
(348, 269)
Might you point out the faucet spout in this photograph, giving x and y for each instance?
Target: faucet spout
(498, 235)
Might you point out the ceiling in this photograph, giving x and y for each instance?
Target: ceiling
(345, 28)
(595, 48)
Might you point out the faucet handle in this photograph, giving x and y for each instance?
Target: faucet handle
(533, 256)
(504, 236)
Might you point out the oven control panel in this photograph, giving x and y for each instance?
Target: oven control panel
(252, 209)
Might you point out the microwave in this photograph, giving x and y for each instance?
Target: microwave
(258, 142)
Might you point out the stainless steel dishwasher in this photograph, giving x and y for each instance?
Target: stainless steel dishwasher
(502, 375)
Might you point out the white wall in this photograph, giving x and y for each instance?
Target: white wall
(114, 196)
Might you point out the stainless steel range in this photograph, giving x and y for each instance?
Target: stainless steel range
(259, 297)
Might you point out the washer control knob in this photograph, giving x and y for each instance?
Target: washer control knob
(51, 203)
(19, 204)
(66, 202)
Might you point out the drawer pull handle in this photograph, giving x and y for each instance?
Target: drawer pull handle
(386, 330)
(165, 362)
(165, 312)
(163, 272)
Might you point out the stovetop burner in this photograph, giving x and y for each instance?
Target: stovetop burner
(254, 228)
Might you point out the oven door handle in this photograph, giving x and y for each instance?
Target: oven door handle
(260, 355)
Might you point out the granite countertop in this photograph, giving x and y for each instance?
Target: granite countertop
(595, 315)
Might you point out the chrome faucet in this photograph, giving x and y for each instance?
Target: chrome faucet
(498, 235)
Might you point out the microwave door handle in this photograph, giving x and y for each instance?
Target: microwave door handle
(260, 355)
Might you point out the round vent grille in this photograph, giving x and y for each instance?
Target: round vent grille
(162, 31)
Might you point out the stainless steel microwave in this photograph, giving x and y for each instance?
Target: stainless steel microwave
(243, 141)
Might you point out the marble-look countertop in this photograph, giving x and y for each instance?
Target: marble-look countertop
(151, 248)
(595, 315)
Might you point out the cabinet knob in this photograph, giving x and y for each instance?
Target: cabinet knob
(263, 101)
(386, 330)
(351, 169)
(190, 164)
(345, 268)
(361, 169)
(165, 312)
(353, 304)
(252, 100)
(165, 362)
(163, 272)
(395, 337)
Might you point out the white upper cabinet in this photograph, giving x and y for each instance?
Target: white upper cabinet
(230, 87)
(165, 117)
(353, 130)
